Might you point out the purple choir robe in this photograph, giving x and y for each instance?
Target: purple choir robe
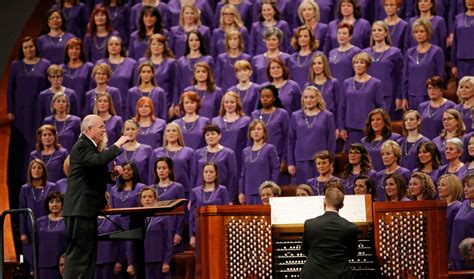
(440, 33)
(114, 129)
(172, 192)
(61, 185)
(286, 8)
(360, 37)
(277, 124)
(318, 186)
(53, 48)
(210, 101)
(350, 180)
(218, 41)
(331, 94)
(158, 247)
(463, 171)
(409, 158)
(193, 131)
(124, 76)
(461, 53)
(441, 144)
(44, 103)
(257, 41)
(320, 31)
(122, 199)
(455, 8)
(299, 67)
(445, 170)
(68, 131)
(434, 174)
(116, 99)
(108, 252)
(417, 69)
(451, 212)
(158, 96)
(184, 74)
(153, 134)
(248, 97)
(326, 10)
(119, 19)
(165, 73)
(290, 95)
(138, 47)
(245, 10)
(373, 148)
(257, 167)
(432, 118)
(141, 158)
(307, 136)
(463, 227)
(94, 46)
(77, 18)
(177, 39)
(54, 162)
(234, 135)
(225, 73)
(380, 181)
(387, 67)
(398, 33)
(207, 14)
(340, 63)
(466, 116)
(135, 11)
(78, 79)
(260, 63)
(198, 198)
(52, 243)
(184, 161)
(226, 163)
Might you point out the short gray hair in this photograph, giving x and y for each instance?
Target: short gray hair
(273, 31)
(276, 190)
(87, 122)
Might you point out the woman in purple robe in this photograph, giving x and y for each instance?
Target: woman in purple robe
(466, 100)
(149, 23)
(244, 8)
(312, 129)
(427, 10)
(421, 62)
(205, 11)
(52, 43)
(168, 189)
(123, 69)
(323, 162)
(305, 45)
(320, 76)
(186, 66)
(61, 184)
(432, 111)
(136, 152)
(453, 151)
(273, 37)
(203, 83)
(33, 195)
(104, 107)
(360, 96)
(210, 192)
(150, 128)
(349, 12)
(453, 127)
(269, 17)
(394, 188)
(421, 187)
(462, 58)
(136, 9)
(247, 90)
(270, 111)
(397, 27)
(77, 71)
(260, 163)
(429, 160)
(162, 58)
(192, 124)
(101, 74)
(285, 9)
(359, 163)
(66, 125)
(341, 58)
(412, 138)
(225, 72)
(50, 152)
(52, 239)
(234, 125)
(309, 14)
(377, 130)
(391, 155)
(387, 66)
(450, 190)
(98, 32)
(189, 22)
(127, 190)
(109, 253)
(463, 225)
(469, 161)
(76, 16)
(147, 87)
(229, 21)
(222, 157)
(119, 12)
(55, 77)
(364, 185)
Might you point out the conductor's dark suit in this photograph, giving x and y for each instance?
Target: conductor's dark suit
(328, 241)
(85, 196)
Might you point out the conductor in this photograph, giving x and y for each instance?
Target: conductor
(85, 195)
(329, 241)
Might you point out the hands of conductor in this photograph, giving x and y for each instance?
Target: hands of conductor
(118, 169)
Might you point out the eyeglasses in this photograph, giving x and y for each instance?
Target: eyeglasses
(448, 118)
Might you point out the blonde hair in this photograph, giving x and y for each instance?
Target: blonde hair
(313, 5)
(196, 11)
(180, 134)
(425, 24)
(394, 147)
(320, 104)
(326, 69)
(102, 67)
(231, 33)
(112, 111)
(388, 38)
(242, 65)
(462, 82)
(454, 185)
(237, 20)
(55, 70)
(238, 108)
(364, 57)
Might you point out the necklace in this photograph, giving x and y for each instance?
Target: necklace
(193, 123)
(392, 29)
(101, 45)
(269, 117)
(376, 146)
(144, 131)
(28, 73)
(114, 67)
(161, 190)
(337, 56)
(174, 153)
(190, 63)
(122, 198)
(305, 60)
(258, 154)
(361, 87)
(112, 12)
(468, 20)
(308, 125)
(65, 13)
(72, 72)
(203, 193)
(55, 226)
(104, 220)
(49, 160)
(60, 131)
(321, 86)
(244, 92)
(465, 112)
(212, 158)
(432, 111)
(134, 152)
(226, 127)
(201, 93)
(60, 39)
(375, 58)
(39, 197)
(405, 144)
(417, 57)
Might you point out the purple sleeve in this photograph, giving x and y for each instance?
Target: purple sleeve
(192, 209)
(331, 133)
(439, 63)
(291, 141)
(454, 47)
(398, 63)
(167, 241)
(284, 123)
(378, 95)
(253, 39)
(214, 51)
(180, 218)
(177, 82)
(286, 36)
(337, 101)
(342, 109)
(274, 164)
(405, 77)
(225, 196)
(231, 163)
(243, 172)
(23, 203)
(442, 33)
(163, 110)
(218, 70)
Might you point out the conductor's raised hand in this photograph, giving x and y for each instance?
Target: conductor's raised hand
(122, 140)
